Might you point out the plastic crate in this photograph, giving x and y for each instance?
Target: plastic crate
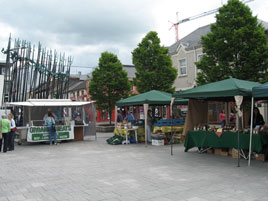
(170, 122)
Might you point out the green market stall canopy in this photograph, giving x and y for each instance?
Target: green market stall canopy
(260, 91)
(224, 90)
(153, 97)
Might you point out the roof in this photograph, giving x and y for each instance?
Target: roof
(49, 102)
(131, 70)
(260, 91)
(193, 40)
(153, 97)
(73, 83)
(80, 85)
(226, 88)
(81, 76)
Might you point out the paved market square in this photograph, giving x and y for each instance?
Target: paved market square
(94, 170)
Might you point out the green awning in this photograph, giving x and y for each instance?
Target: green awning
(226, 88)
(179, 101)
(153, 97)
(260, 91)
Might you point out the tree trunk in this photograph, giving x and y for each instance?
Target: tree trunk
(110, 113)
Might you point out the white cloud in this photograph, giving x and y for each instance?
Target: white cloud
(85, 28)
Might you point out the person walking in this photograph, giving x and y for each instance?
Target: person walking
(5, 129)
(11, 135)
(50, 123)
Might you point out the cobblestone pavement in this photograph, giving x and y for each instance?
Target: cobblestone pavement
(94, 170)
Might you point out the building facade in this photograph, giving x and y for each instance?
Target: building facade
(78, 91)
(186, 52)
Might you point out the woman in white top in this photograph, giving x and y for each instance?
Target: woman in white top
(11, 135)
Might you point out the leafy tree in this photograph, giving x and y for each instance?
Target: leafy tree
(153, 64)
(236, 47)
(109, 83)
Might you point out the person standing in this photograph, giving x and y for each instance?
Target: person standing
(257, 118)
(129, 116)
(119, 117)
(5, 129)
(11, 135)
(222, 117)
(50, 123)
(46, 115)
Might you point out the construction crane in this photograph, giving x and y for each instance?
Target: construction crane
(176, 25)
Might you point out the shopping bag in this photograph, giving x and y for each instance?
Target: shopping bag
(14, 129)
(53, 127)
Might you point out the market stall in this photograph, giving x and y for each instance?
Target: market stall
(259, 92)
(74, 120)
(151, 98)
(225, 91)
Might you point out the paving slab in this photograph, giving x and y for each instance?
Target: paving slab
(94, 170)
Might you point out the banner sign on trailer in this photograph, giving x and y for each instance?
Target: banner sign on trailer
(40, 133)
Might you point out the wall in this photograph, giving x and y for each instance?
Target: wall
(1, 88)
(183, 82)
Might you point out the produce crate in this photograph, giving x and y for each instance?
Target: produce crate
(224, 153)
(235, 153)
(217, 151)
(260, 157)
(210, 151)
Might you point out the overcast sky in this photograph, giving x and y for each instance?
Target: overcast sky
(85, 28)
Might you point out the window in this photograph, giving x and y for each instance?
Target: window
(183, 67)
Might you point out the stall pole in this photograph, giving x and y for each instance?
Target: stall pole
(172, 135)
(145, 110)
(83, 113)
(84, 117)
(251, 130)
(29, 116)
(238, 143)
(238, 101)
(171, 115)
(171, 106)
(115, 116)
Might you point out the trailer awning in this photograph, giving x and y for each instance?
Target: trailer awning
(49, 103)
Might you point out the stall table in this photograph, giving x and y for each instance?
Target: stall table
(125, 132)
(226, 140)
